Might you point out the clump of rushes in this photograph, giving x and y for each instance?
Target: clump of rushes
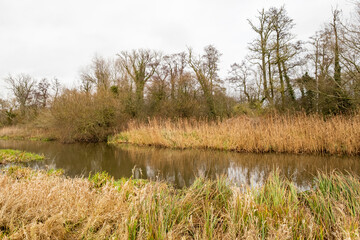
(43, 206)
(281, 134)
(17, 156)
(100, 179)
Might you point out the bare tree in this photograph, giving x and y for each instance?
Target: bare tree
(342, 98)
(282, 26)
(42, 92)
(206, 69)
(22, 87)
(337, 67)
(140, 65)
(56, 87)
(239, 76)
(261, 47)
(159, 83)
(350, 55)
(98, 74)
(332, 89)
(176, 64)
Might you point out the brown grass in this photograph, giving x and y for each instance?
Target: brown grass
(281, 134)
(25, 132)
(40, 205)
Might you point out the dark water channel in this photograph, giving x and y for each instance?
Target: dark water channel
(180, 167)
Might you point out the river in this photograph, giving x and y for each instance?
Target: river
(181, 167)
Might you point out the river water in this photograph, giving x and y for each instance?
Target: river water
(181, 167)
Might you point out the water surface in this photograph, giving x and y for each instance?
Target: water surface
(180, 167)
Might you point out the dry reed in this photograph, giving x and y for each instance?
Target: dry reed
(40, 205)
(281, 134)
(25, 132)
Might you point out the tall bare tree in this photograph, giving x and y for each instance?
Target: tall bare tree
(261, 47)
(22, 87)
(55, 87)
(99, 74)
(350, 54)
(42, 92)
(176, 64)
(282, 26)
(206, 69)
(240, 76)
(140, 65)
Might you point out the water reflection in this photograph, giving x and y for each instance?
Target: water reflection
(181, 167)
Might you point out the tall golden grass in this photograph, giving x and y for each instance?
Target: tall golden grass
(281, 134)
(40, 205)
(25, 132)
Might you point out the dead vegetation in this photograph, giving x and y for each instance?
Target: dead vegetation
(281, 134)
(46, 205)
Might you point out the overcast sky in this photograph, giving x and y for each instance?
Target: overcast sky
(56, 38)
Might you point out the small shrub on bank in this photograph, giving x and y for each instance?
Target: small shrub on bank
(80, 116)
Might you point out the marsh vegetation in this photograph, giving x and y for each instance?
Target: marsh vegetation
(280, 75)
(45, 204)
(286, 96)
(280, 134)
(17, 156)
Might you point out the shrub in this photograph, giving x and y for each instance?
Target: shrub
(79, 116)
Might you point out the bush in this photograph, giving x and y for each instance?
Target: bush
(79, 116)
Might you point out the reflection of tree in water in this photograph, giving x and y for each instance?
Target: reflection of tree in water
(181, 167)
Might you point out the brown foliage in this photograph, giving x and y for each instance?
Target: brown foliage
(44, 205)
(79, 116)
(281, 134)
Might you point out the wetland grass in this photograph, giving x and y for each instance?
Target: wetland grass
(39, 205)
(338, 135)
(25, 132)
(17, 156)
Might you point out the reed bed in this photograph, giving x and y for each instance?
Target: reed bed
(44, 205)
(25, 132)
(281, 134)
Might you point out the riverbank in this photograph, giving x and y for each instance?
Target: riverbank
(338, 135)
(16, 156)
(43, 204)
(24, 132)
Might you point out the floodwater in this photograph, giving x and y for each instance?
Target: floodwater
(181, 167)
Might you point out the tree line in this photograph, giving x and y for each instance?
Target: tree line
(281, 73)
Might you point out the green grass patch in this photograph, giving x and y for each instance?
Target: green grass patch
(17, 156)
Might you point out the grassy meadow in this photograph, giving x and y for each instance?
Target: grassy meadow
(47, 205)
(281, 134)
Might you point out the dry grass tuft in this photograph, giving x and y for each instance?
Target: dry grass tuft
(280, 134)
(43, 205)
